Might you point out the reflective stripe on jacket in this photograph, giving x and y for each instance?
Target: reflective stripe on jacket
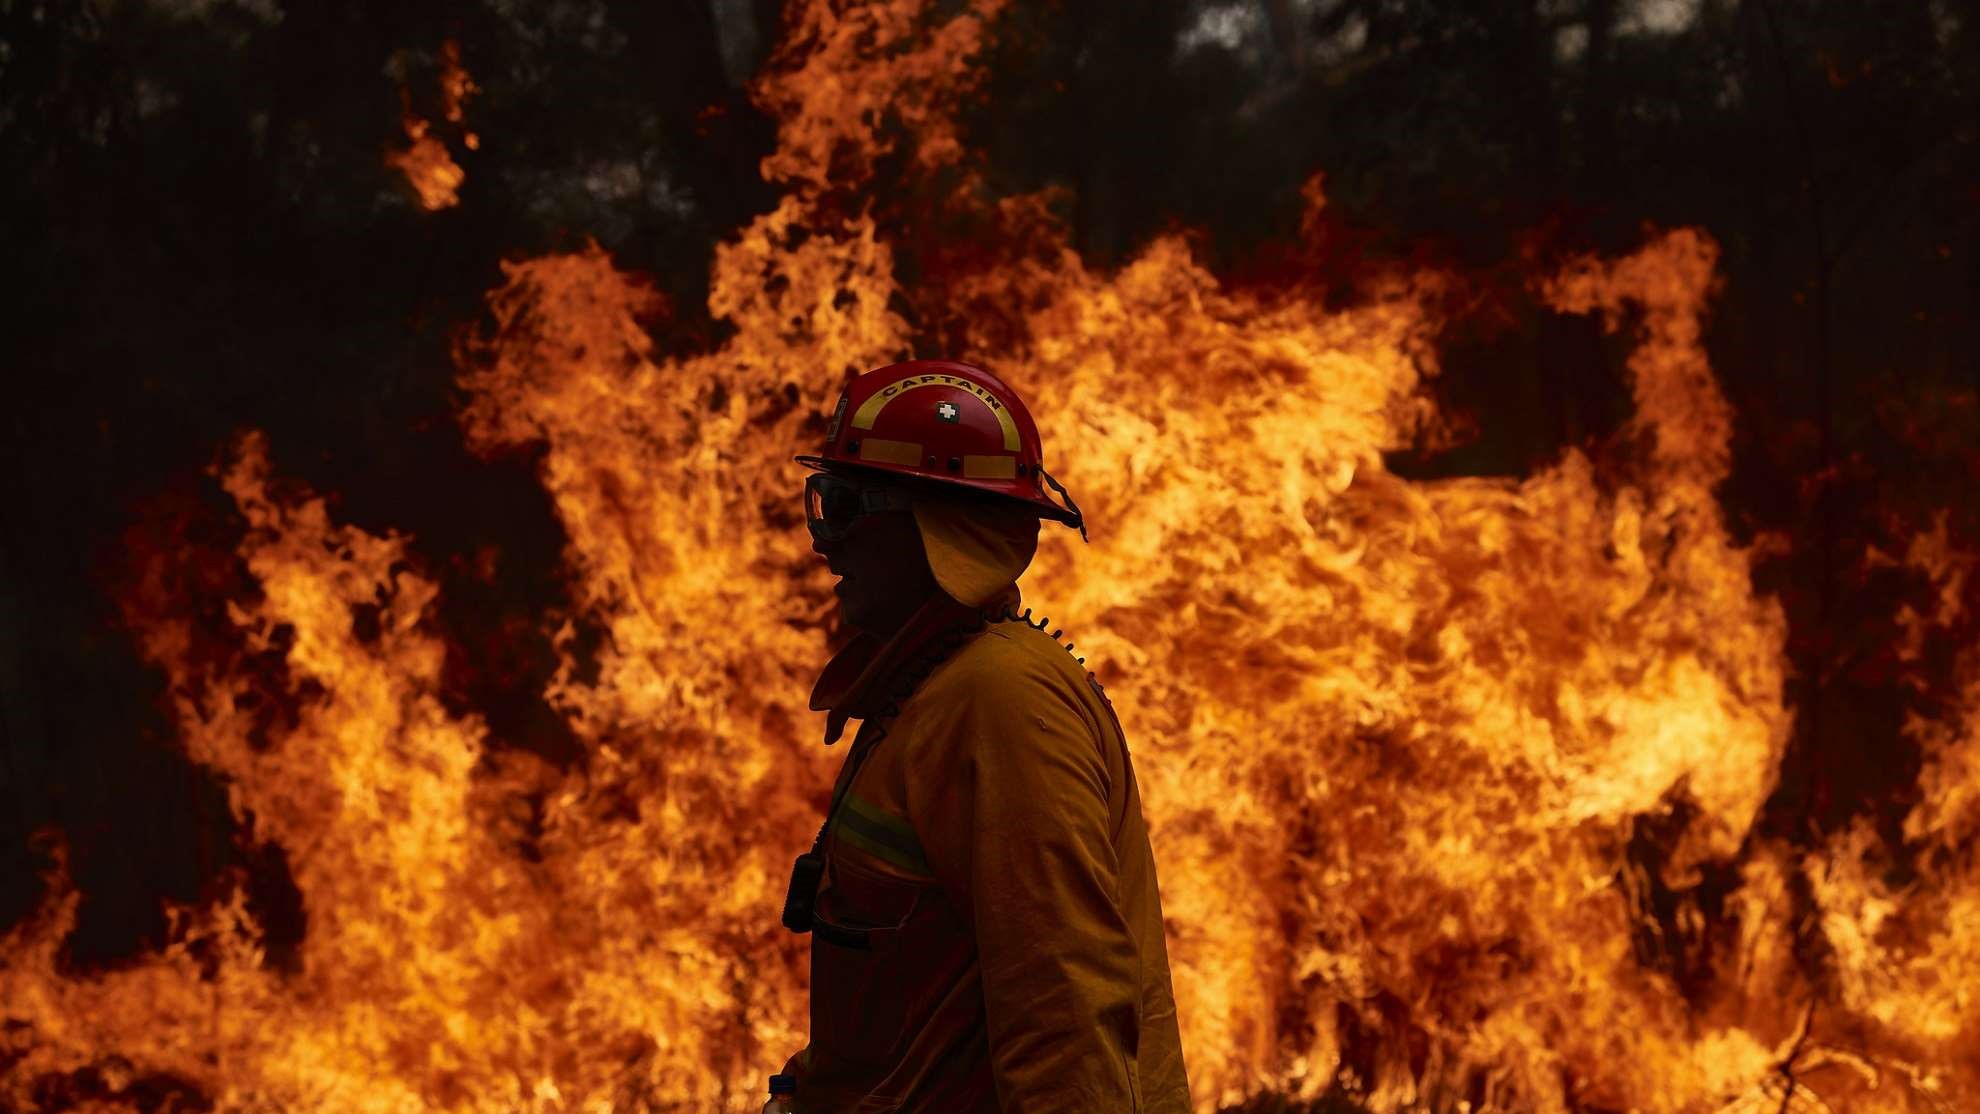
(993, 842)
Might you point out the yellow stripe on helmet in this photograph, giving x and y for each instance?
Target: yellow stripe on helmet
(869, 410)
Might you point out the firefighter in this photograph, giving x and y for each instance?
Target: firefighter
(986, 927)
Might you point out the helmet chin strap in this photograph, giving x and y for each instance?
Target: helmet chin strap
(1079, 519)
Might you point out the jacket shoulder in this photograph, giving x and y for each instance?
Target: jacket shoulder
(1008, 661)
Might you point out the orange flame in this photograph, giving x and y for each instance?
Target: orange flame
(427, 164)
(1435, 770)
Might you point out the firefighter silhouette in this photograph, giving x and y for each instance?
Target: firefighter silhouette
(986, 927)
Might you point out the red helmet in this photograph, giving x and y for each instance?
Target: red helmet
(944, 422)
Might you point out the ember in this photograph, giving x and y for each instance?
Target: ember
(429, 167)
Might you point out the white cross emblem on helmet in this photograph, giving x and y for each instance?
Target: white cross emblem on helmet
(946, 411)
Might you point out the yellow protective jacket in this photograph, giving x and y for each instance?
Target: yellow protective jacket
(990, 839)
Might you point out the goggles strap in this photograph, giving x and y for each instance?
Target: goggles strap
(884, 499)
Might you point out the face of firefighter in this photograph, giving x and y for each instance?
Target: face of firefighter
(883, 571)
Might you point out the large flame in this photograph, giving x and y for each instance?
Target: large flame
(1435, 770)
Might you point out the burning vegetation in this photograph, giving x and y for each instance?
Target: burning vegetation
(1457, 785)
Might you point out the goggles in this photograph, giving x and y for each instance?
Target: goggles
(833, 504)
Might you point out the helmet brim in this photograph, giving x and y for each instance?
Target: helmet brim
(961, 489)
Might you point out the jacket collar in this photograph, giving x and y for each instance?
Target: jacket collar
(867, 674)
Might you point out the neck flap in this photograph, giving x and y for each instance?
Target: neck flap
(869, 675)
